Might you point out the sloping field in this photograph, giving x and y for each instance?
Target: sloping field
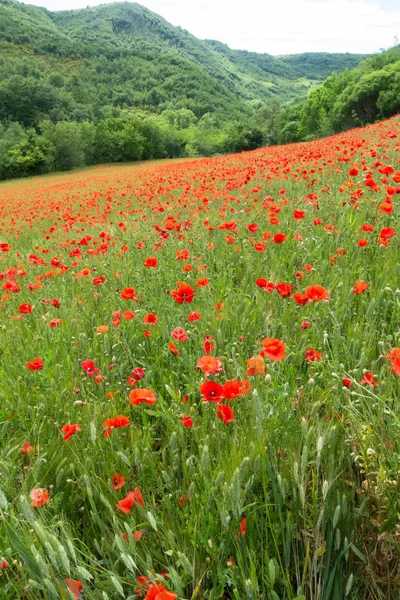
(199, 366)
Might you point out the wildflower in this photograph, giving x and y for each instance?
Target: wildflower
(360, 287)
(212, 391)
(89, 368)
(184, 294)
(158, 592)
(255, 365)
(273, 349)
(35, 365)
(180, 334)
(39, 497)
(150, 319)
(243, 525)
(369, 380)
(75, 586)
(316, 293)
(312, 355)
(210, 365)
(138, 396)
(25, 309)
(194, 316)
(128, 294)
(208, 344)
(225, 413)
(394, 358)
(69, 430)
(151, 262)
(26, 448)
(118, 481)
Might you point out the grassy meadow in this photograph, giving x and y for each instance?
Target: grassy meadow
(199, 367)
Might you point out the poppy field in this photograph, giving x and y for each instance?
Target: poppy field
(200, 367)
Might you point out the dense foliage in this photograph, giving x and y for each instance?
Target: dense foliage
(349, 99)
(93, 69)
(200, 371)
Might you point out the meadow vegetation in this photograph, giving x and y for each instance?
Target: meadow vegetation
(200, 369)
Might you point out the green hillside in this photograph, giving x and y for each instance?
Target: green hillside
(146, 62)
(117, 82)
(353, 98)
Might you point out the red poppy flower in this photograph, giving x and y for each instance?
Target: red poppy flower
(115, 423)
(203, 282)
(75, 586)
(284, 289)
(187, 422)
(128, 315)
(173, 349)
(212, 391)
(158, 592)
(210, 365)
(128, 294)
(138, 396)
(151, 262)
(150, 319)
(312, 355)
(39, 496)
(208, 344)
(26, 448)
(360, 287)
(225, 413)
(184, 294)
(69, 430)
(194, 316)
(55, 323)
(25, 309)
(127, 503)
(316, 293)
(369, 380)
(243, 526)
(394, 358)
(118, 481)
(231, 389)
(346, 382)
(98, 280)
(267, 286)
(138, 374)
(273, 349)
(255, 365)
(367, 227)
(386, 233)
(89, 368)
(180, 334)
(279, 238)
(35, 365)
(301, 299)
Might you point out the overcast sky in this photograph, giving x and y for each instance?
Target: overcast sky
(277, 26)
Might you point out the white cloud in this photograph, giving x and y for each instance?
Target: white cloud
(278, 26)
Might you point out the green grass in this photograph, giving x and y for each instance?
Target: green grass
(311, 465)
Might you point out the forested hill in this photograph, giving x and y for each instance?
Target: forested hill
(353, 98)
(117, 82)
(138, 59)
